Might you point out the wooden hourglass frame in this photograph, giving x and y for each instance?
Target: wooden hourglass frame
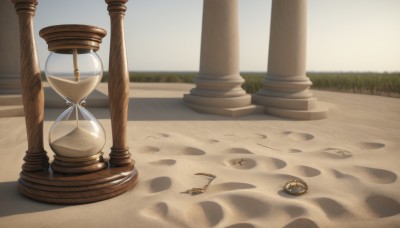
(37, 179)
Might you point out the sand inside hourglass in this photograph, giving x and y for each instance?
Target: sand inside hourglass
(78, 143)
(74, 90)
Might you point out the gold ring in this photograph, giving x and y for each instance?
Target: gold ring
(296, 187)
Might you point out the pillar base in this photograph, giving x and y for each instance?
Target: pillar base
(321, 112)
(297, 109)
(285, 103)
(230, 106)
(10, 84)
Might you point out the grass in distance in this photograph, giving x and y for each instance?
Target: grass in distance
(386, 84)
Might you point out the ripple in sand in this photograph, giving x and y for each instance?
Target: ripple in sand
(192, 151)
(212, 141)
(160, 184)
(274, 163)
(297, 136)
(247, 207)
(164, 213)
(383, 206)
(370, 145)
(238, 151)
(233, 138)
(241, 225)
(331, 208)
(261, 136)
(164, 162)
(212, 211)
(231, 186)
(241, 163)
(159, 210)
(341, 175)
(283, 177)
(158, 136)
(378, 176)
(164, 135)
(149, 149)
(337, 153)
(295, 151)
(294, 211)
(302, 222)
(307, 171)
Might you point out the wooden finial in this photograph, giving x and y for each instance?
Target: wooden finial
(116, 6)
(25, 6)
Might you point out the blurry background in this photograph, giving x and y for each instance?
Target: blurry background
(164, 35)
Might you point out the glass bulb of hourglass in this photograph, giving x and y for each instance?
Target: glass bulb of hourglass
(74, 74)
(62, 76)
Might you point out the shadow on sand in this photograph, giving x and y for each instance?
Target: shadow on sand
(13, 203)
(161, 109)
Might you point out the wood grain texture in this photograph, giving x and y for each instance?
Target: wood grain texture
(50, 187)
(67, 37)
(118, 84)
(109, 178)
(32, 91)
(79, 165)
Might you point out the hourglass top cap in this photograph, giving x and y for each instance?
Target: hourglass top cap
(61, 38)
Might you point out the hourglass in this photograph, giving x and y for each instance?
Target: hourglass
(78, 174)
(73, 70)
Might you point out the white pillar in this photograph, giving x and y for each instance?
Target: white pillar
(10, 80)
(285, 91)
(218, 85)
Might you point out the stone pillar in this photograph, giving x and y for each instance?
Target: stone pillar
(10, 80)
(218, 85)
(285, 91)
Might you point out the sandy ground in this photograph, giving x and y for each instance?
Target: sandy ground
(351, 162)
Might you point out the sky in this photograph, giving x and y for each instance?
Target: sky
(165, 35)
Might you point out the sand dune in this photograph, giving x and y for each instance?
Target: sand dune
(350, 161)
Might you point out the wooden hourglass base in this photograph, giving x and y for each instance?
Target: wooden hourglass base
(51, 187)
(78, 165)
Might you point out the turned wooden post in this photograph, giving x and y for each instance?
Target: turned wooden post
(32, 91)
(118, 84)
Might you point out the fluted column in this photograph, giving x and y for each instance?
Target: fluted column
(10, 81)
(218, 85)
(118, 84)
(285, 89)
(32, 91)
